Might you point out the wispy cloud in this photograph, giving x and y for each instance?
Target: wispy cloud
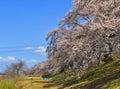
(7, 59)
(39, 49)
(34, 60)
(28, 48)
(11, 58)
(1, 58)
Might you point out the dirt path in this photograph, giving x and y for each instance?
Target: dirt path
(36, 83)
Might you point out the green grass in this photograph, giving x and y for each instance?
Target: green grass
(9, 84)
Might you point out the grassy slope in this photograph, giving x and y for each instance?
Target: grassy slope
(104, 76)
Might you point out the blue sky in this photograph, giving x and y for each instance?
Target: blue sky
(23, 26)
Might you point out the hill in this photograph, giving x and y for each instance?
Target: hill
(104, 76)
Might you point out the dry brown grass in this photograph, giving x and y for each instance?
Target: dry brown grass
(34, 83)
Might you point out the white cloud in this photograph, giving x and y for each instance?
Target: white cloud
(11, 58)
(7, 59)
(28, 48)
(34, 60)
(1, 58)
(39, 49)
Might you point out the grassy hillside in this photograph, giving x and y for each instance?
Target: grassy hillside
(104, 76)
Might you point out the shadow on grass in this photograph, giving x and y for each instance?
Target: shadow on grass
(62, 81)
(96, 76)
(99, 83)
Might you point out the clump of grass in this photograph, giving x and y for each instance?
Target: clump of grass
(9, 84)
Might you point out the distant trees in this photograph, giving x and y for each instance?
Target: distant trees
(15, 69)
